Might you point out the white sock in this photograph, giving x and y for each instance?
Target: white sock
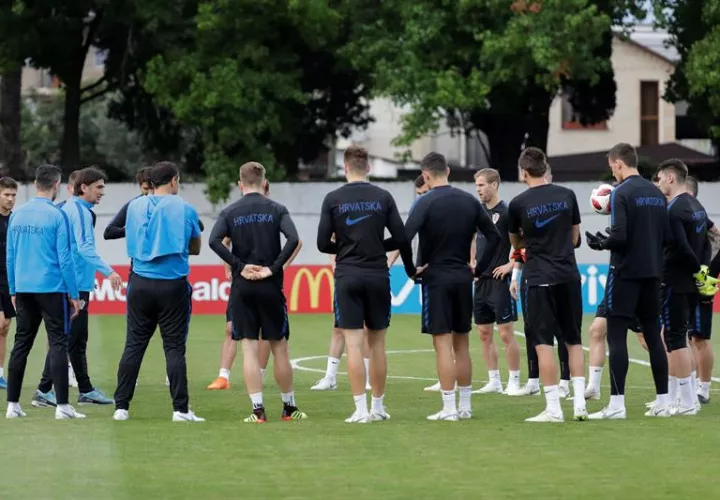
(663, 400)
(449, 405)
(579, 392)
(332, 368)
(705, 389)
(361, 406)
(552, 399)
(617, 402)
(64, 408)
(687, 395)
(224, 374)
(377, 404)
(694, 381)
(514, 377)
(288, 398)
(262, 373)
(533, 383)
(367, 371)
(2, 371)
(13, 406)
(465, 393)
(594, 377)
(672, 389)
(494, 375)
(257, 400)
(565, 384)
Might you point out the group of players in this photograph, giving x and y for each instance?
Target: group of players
(660, 240)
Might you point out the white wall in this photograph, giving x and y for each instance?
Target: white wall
(303, 200)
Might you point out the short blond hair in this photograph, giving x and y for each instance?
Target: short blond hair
(490, 174)
(252, 174)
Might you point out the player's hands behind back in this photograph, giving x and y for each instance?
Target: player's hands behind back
(253, 272)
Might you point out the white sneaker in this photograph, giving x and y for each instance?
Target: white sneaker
(580, 414)
(377, 416)
(186, 417)
(67, 412)
(368, 387)
(547, 417)
(512, 388)
(526, 390)
(609, 413)
(121, 415)
(446, 416)
(167, 380)
(358, 418)
(659, 411)
(683, 411)
(465, 414)
(492, 387)
(564, 392)
(433, 388)
(324, 384)
(14, 411)
(650, 404)
(72, 381)
(592, 393)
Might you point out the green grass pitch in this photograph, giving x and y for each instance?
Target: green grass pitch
(494, 456)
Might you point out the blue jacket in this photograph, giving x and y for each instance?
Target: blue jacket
(39, 256)
(85, 256)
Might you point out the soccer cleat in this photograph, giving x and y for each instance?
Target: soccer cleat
(121, 415)
(94, 397)
(433, 388)
(14, 411)
(512, 387)
(564, 392)
(609, 413)
(3, 383)
(547, 417)
(379, 416)
(444, 416)
(257, 416)
(219, 384)
(465, 414)
(72, 381)
(292, 413)
(591, 393)
(324, 384)
(526, 390)
(492, 387)
(358, 418)
(580, 414)
(682, 411)
(67, 412)
(186, 417)
(659, 411)
(167, 380)
(650, 404)
(43, 400)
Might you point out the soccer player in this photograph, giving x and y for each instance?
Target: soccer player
(357, 214)
(493, 303)
(638, 233)
(162, 230)
(89, 185)
(41, 279)
(254, 224)
(8, 194)
(446, 220)
(116, 228)
(682, 260)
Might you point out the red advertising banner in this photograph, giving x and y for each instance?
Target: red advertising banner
(309, 289)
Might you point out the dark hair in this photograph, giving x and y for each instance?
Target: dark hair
(252, 173)
(691, 183)
(143, 175)
(46, 176)
(675, 166)
(267, 187)
(434, 164)
(490, 174)
(85, 177)
(73, 177)
(625, 153)
(419, 181)
(8, 183)
(533, 161)
(356, 158)
(162, 173)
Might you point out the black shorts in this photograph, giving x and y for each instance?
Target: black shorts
(493, 302)
(6, 305)
(258, 306)
(701, 326)
(228, 312)
(554, 311)
(601, 312)
(678, 314)
(633, 298)
(447, 307)
(362, 301)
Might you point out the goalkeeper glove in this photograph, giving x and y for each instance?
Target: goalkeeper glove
(596, 241)
(706, 284)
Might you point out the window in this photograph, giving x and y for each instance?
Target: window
(571, 119)
(649, 113)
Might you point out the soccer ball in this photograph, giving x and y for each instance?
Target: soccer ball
(600, 199)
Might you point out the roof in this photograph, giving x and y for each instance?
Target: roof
(651, 39)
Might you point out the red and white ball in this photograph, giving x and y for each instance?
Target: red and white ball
(600, 199)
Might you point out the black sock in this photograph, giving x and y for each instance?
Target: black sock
(617, 345)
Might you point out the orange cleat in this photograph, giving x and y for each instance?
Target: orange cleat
(220, 384)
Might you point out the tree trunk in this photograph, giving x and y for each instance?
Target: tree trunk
(538, 122)
(12, 161)
(505, 135)
(71, 124)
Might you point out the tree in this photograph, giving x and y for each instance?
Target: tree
(265, 81)
(12, 162)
